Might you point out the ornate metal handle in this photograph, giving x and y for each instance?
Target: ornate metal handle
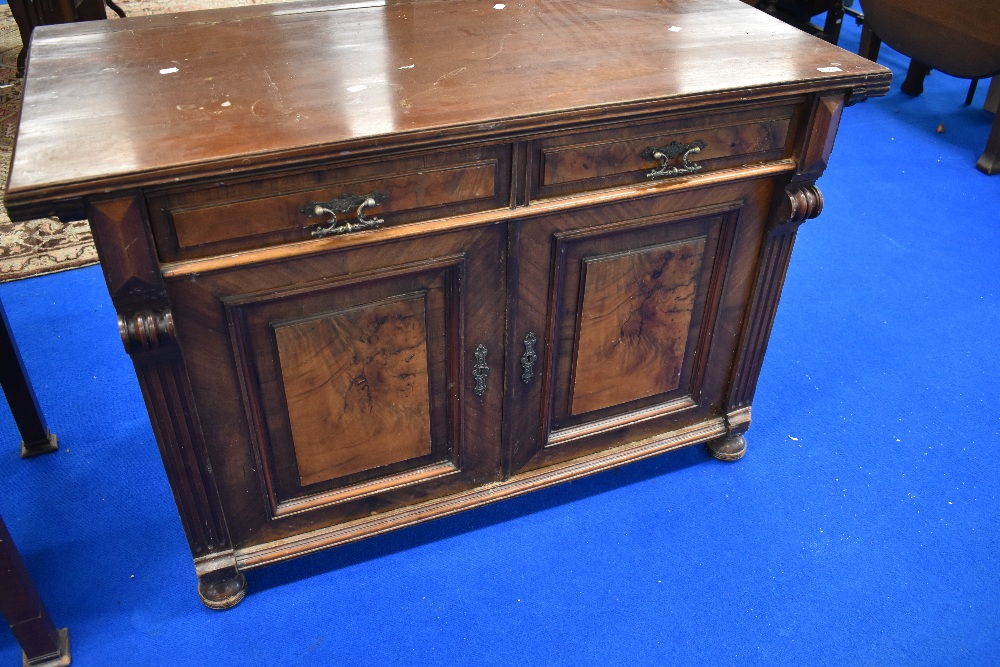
(669, 152)
(344, 204)
(480, 370)
(529, 358)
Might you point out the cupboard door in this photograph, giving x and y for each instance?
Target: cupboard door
(358, 375)
(631, 311)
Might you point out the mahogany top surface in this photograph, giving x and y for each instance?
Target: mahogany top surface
(147, 100)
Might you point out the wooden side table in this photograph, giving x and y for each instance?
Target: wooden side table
(43, 644)
(942, 37)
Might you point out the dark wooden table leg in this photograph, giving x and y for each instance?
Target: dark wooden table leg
(870, 44)
(913, 84)
(992, 102)
(989, 162)
(43, 644)
(21, 397)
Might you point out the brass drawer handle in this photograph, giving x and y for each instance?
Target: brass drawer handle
(480, 370)
(344, 204)
(669, 152)
(529, 358)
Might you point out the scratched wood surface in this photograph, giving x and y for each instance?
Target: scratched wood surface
(143, 99)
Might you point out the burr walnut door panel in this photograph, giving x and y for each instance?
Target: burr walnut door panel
(359, 375)
(626, 319)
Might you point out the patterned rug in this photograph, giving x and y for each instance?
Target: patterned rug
(44, 246)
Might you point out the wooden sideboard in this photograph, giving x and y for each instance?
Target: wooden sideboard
(377, 263)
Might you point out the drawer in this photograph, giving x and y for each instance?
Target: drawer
(241, 214)
(621, 155)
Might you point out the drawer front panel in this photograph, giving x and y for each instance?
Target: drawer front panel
(240, 215)
(621, 155)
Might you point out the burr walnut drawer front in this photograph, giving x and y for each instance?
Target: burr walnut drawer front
(225, 216)
(661, 148)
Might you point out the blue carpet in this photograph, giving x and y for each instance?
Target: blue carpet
(861, 528)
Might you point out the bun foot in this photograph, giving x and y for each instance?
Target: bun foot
(223, 593)
(728, 447)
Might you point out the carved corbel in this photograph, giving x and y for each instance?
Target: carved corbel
(147, 330)
(801, 202)
(805, 202)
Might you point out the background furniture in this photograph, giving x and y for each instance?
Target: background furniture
(31, 13)
(35, 435)
(43, 644)
(800, 13)
(370, 285)
(960, 38)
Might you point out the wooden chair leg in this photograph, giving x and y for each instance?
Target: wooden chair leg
(43, 644)
(36, 438)
(834, 20)
(972, 92)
